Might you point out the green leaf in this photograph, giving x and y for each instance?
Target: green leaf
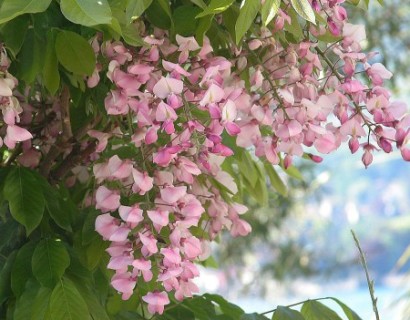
(253, 316)
(315, 310)
(75, 53)
(351, 315)
(31, 57)
(184, 20)
(215, 7)
(275, 180)
(51, 76)
(294, 27)
(202, 308)
(269, 10)
(54, 206)
(304, 9)
(199, 3)
(12, 8)
(247, 15)
(226, 307)
(285, 313)
(136, 8)
(49, 262)
(159, 14)
(95, 308)
(66, 302)
(24, 304)
(41, 309)
(26, 200)
(21, 271)
(203, 26)
(14, 33)
(87, 12)
(5, 278)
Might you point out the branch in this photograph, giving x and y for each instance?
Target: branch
(66, 134)
(370, 283)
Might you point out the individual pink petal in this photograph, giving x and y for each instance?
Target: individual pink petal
(192, 247)
(132, 215)
(18, 134)
(166, 86)
(240, 228)
(106, 199)
(156, 301)
(172, 194)
(105, 225)
(124, 283)
(160, 218)
(118, 168)
(171, 256)
(326, 144)
(149, 242)
(212, 95)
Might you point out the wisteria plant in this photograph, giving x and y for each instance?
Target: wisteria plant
(130, 131)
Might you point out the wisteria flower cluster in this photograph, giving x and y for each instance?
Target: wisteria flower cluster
(297, 97)
(180, 105)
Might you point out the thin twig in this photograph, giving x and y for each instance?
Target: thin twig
(370, 283)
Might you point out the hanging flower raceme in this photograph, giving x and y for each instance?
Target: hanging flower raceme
(180, 101)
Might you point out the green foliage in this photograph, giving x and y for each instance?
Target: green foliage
(66, 302)
(87, 12)
(50, 260)
(269, 11)
(10, 9)
(315, 310)
(74, 53)
(247, 14)
(285, 313)
(26, 200)
(304, 9)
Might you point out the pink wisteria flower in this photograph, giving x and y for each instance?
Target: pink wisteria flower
(156, 301)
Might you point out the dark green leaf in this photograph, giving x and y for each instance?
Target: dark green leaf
(203, 26)
(215, 7)
(351, 315)
(136, 8)
(31, 57)
(5, 278)
(95, 308)
(269, 10)
(26, 200)
(247, 15)
(304, 9)
(24, 304)
(184, 20)
(51, 76)
(87, 12)
(14, 33)
(49, 262)
(54, 206)
(226, 307)
(131, 35)
(21, 271)
(10, 9)
(159, 14)
(285, 313)
(66, 303)
(75, 53)
(202, 308)
(315, 310)
(41, 309)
